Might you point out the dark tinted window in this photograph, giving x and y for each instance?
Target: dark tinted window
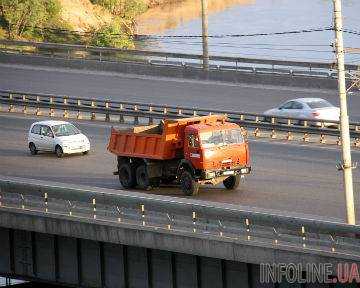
(35, 129)
(319, 104)
(287, 105)
(297, 105)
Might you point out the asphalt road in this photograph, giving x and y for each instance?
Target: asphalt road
(249, 98)
(286, 177)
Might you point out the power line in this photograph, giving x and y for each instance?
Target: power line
(150, 36)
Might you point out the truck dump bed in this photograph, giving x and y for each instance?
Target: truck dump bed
(161, 142)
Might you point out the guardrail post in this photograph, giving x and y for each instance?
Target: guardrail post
(70, 206)
(24, 110)
(247, 226)
(136, 118)
(220, 228)
(357, 142)
(121, 117)
(66, 113)
(78, 114)
(46, 202)
(37, 109)
(142, 208)
(22, 201)
(93, 115)
(51, 110)
(242, 117)
(289, 136)
(194, 221)
(94, 207)
(303, 236)
(334, 242)
(338, 141)
(276, 235)
(194, 113)
(273, 120)
(306, 137)
(322, 139)
(120, 213)
(257, 132)
(273, 134)
(289, 123)
(107, 115)
(170, 221)
(244, 132)
(151, 119)
(11, 106)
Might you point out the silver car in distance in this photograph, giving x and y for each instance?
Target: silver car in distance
(307, 108)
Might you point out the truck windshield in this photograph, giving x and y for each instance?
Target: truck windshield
(221, 138)
(65, 130)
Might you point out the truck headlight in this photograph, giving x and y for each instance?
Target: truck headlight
(210, 174)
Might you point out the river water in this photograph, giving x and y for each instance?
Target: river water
(254, 16)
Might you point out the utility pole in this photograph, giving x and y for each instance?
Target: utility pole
(344, 118)
(204, 18)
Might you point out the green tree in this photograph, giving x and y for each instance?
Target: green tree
(25, 16)
(111, 36)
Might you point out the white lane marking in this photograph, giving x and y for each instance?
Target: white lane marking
(168, 79)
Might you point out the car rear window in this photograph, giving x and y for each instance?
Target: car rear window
(319, 104)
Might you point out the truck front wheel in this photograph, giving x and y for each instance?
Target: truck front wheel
(232, 182)
(188, 185)
(127, 176)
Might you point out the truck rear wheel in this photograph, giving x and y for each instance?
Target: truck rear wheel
(127, 176)
(142, 177)
(232, 182)
(188, 185)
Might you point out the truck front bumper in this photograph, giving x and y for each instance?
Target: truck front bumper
(210, 174)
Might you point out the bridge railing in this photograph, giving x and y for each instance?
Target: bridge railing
(117, 111)
(250, 65)
(222, 222)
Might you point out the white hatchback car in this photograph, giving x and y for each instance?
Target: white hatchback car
(57, 136)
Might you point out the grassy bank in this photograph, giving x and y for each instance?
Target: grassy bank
(109, 23)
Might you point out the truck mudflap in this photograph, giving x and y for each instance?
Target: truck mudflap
(209, 174)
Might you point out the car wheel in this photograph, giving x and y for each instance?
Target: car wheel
(127, 176)
(142, 177)
(188, 184)
(232, 182)
(85, 152)
(59, 151)
(33, 149)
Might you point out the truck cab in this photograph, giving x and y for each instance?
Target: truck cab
(217, 153)
(187, 151)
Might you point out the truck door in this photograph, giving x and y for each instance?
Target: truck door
(192, 149)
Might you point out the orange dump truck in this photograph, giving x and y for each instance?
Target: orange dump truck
(188, 151)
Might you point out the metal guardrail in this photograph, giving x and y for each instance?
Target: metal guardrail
(265, 66)
(121, 109)
(165, 214)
